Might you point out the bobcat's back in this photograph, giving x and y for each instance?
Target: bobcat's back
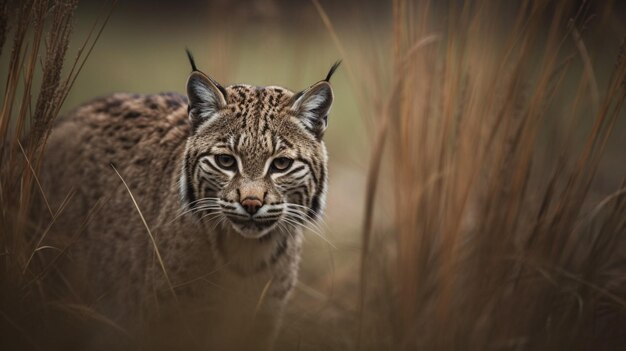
(143, 138)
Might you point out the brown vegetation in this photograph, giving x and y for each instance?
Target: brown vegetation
(40, 31)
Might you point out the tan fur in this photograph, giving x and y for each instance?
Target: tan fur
(217, 283)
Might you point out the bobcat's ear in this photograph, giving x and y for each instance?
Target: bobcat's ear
(206, 97)
(312, 106)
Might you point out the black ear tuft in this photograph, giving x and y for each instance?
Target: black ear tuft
(332, 70)
(191, 60)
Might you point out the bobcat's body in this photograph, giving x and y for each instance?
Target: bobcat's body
(223, 278)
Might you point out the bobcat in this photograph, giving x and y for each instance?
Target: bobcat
(190, 209)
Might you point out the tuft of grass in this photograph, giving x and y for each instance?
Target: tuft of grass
(41, 32)
(492, 244)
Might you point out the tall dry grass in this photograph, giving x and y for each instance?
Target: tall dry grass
(495, 243)
(38, 83)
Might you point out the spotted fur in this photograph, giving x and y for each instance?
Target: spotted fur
(218, 251)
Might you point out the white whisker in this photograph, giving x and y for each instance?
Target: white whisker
(195, 209)
(320, 219)
(289, 219)
(303, 217)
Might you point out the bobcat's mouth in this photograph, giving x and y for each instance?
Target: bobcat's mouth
(255, 225)
(253, 228)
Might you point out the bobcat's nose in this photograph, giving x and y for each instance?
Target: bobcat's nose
(251, 204)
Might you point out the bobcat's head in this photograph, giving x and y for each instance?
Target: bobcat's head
(256, 158)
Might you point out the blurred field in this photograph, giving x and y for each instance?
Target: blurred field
(450, 181)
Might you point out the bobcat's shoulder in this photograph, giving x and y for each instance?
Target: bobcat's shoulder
(121, 121)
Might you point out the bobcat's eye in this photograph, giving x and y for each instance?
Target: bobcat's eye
(225, 161)
(281, 164)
